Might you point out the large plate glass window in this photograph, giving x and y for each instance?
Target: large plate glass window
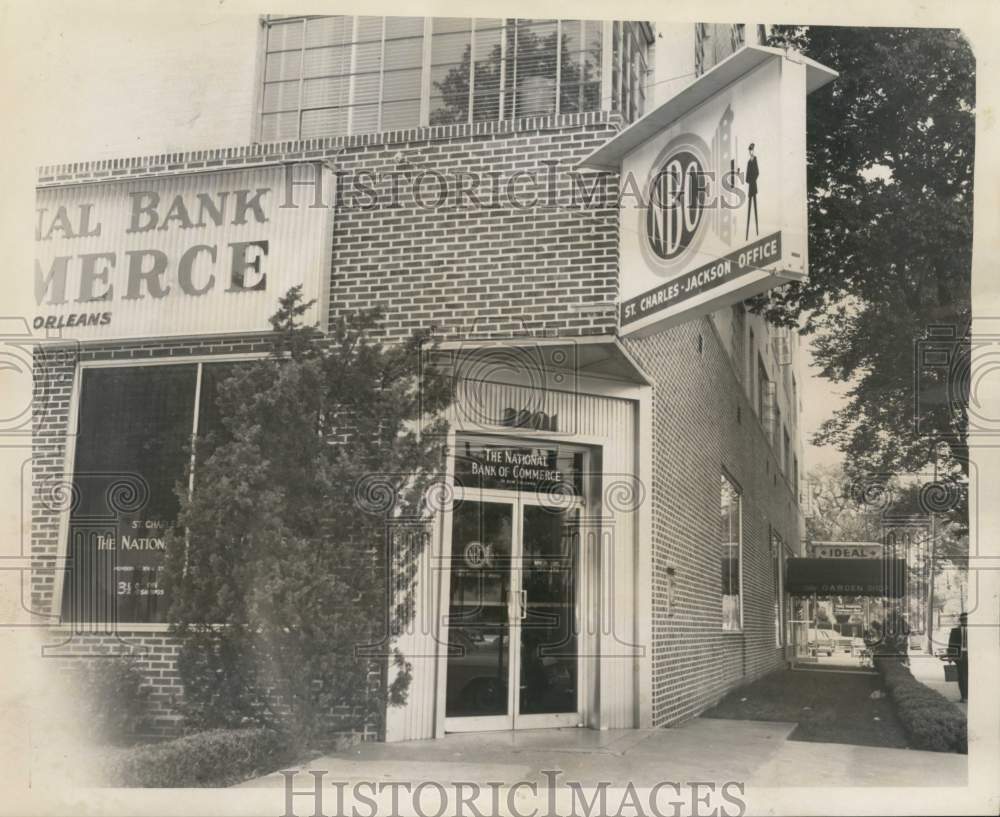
(339, 75)
(133, 447)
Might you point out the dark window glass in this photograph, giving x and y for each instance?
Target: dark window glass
(763, 384)
(478, 617)
(211, 430)
(132, 450)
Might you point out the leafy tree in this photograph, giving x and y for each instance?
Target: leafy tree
(834, 511)
(929, 518)
(279, 567)
(841, 508)
(890, 170)
(923, 499)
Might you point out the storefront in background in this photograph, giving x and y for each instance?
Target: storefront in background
(622, 484)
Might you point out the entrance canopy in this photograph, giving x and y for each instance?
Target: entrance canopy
(534, 359)
(846, 577)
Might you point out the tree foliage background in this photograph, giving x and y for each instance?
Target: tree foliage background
(839, 508)
(927, 519)
(279, 566)
(890, 171)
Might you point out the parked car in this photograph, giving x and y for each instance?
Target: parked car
(823, 642)
(845, 643)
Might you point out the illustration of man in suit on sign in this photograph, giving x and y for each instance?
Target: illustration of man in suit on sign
(753, 173)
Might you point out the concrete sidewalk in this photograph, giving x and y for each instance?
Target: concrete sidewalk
(753, 752)
(929, 670)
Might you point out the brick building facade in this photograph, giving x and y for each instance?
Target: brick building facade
(675, 411)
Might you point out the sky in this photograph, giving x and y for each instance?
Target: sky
(820, 399)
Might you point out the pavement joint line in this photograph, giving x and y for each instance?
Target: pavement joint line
(835, 671)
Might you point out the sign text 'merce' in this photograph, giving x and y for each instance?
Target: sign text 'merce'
(195, 253)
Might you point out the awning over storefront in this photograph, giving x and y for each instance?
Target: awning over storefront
(855, 577)
(536, 358)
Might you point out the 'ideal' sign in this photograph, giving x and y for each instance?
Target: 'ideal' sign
(713, 190)
(845, 550)
(192, 253)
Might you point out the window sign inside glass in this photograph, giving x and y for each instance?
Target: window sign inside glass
(543, 469)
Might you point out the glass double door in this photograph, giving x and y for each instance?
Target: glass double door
(513, 614)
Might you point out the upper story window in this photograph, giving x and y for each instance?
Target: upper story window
(713, 42)
(763, 392)
(739, 333)
(332, 76)
(629, 70)
(335, 75)
(509, 68)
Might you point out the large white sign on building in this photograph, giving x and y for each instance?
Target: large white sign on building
(713, 190)
(193, 253)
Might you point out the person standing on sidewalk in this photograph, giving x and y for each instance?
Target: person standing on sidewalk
(958, 651)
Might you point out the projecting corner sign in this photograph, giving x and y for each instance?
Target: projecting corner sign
(713, 189)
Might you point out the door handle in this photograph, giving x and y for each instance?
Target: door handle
(524, 604)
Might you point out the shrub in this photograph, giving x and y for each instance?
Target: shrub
(221, 688)
(220, 757)
(112, 699)
(287, 537)
(931, 721)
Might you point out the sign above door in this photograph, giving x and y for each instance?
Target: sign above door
(544, 469)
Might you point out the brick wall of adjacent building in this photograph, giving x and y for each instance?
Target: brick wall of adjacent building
(703, 422)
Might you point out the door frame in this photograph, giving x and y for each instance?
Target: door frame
(517, 500)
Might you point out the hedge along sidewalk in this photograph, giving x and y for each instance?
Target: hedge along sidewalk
(216, 758)
(931, 721)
